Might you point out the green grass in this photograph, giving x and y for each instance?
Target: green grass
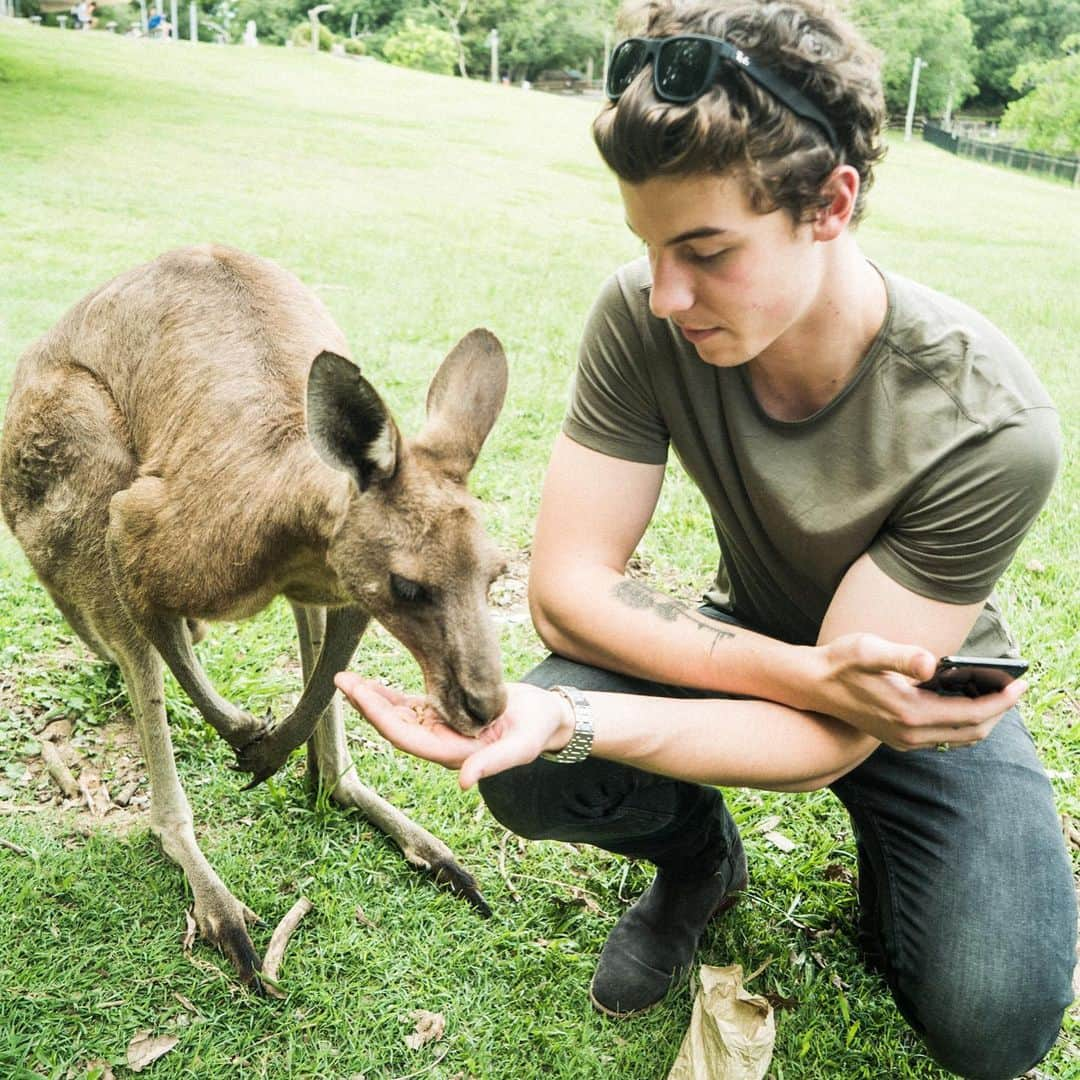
(419, 207)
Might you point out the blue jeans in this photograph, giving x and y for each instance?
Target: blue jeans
(965, 889)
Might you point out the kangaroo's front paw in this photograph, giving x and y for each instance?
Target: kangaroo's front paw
(262, 757)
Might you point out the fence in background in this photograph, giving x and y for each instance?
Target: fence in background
(1001, 154)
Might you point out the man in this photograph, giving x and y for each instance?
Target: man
(872, 453)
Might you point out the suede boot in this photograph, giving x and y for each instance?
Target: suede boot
(652, 946)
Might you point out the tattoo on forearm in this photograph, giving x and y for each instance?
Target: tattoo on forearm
(640, 597)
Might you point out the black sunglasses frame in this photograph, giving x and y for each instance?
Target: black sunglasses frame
(719, 52)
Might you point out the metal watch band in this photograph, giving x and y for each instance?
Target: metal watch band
(580, 745)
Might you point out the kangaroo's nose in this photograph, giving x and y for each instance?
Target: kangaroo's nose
(477, 709)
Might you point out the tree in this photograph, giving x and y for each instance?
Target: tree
(453, 12)
(1049, 114)
(1009, 33)
(535, 35)
(936, 30)
(426, 48)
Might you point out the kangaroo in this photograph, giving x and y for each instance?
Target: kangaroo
(191, 441)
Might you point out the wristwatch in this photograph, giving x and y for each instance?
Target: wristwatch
(580, 745)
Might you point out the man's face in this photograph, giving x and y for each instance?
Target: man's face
(733, 280)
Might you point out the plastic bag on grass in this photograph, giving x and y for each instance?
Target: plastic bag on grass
(731, 1032)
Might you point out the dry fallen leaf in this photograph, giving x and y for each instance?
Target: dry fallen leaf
(780, 841)
(582, 897)
(838, 872)
(145, 1048)
(768, 824)
(429, 1028)
(98, 1069)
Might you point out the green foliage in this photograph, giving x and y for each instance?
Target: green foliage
(354, 47)
(124, 15)
(1011, 33)
(936, 30)
(1049, 113)
(301, 35)
(535, 35)
(274, 19)
(422, 47)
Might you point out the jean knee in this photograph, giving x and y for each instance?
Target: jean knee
(508, 798)
(993, 1042)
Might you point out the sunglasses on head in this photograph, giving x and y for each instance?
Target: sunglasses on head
(685, 67)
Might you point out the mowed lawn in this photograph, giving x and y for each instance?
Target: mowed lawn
(419, 207)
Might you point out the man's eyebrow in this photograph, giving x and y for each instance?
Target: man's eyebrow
(701, 233)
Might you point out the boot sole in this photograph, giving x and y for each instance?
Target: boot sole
(729, 900)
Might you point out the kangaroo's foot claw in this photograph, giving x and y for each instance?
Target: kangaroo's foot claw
(461, 883)
(229, 933)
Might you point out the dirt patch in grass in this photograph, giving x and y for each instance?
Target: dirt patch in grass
(508, 598)
(110, 789)
(88, 776)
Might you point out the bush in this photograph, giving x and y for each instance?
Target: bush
(425, 48)
(301, 36)
(125, 16)
(355, 47)
(1049, 114)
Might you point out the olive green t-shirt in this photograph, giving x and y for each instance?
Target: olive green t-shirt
(934, 458)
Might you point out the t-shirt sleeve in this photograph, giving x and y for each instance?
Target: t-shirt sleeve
(613, 409)
(953, 537)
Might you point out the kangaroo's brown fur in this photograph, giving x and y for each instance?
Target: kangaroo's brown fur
(190, 441)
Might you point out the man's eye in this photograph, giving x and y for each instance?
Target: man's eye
(412, 592)
(708, 258)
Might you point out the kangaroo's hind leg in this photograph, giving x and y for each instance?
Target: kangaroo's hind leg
(83, 628)
(330, 765)
(221, 918)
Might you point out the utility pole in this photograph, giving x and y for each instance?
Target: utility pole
(919, 64)
(193, 22)
(493, 41)
(607, 53)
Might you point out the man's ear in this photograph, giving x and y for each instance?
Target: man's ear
(348, 424)
(841, 188)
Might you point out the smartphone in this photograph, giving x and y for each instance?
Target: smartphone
(974, 675)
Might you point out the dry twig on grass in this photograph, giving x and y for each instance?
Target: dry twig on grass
(58, 770)
(514, 894)
(278, 942)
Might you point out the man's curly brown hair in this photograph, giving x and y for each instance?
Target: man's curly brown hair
(738, 125)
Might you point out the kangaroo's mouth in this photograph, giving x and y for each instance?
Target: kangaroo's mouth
(467, 713)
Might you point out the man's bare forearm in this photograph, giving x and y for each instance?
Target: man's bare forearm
(602, 618)
(727, 742)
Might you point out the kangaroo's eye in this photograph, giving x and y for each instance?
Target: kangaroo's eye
(412, 592)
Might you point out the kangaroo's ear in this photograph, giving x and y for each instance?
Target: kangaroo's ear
(348, 423)
(464, 400)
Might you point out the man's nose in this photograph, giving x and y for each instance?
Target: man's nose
(671, 288)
